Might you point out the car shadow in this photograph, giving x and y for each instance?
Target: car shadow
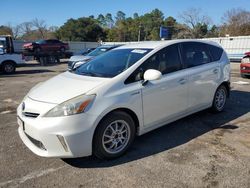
(175, 134)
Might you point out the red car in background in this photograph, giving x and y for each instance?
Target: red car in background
(245, 66)
(46, 45)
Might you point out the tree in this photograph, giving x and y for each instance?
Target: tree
(16, 31)
(109, 20)
(151, 23)
(101, 20)
(197, 24)
(41, 27)
(236, 22)
(136, 15)
(5, 30)
(81, 29)
(120, 16)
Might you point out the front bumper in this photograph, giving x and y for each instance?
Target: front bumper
(68, 136)
(245, 68)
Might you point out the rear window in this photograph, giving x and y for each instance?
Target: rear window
(216, 52)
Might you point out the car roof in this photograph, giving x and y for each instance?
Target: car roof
(158, 44)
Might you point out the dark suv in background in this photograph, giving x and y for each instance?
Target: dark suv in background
(46, 45)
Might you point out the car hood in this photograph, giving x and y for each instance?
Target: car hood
(64, 87)
(80, 58)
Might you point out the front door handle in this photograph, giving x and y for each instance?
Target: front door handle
(215, 71)
(182, 81)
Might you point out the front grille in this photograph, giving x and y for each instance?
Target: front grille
(30, 114)
(245, 68)
(36, 142)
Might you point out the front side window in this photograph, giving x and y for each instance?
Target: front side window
(112, 63)
(166, 61)
(195, 54)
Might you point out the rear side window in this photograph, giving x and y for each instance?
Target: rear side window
(195, 54)
(216, 52)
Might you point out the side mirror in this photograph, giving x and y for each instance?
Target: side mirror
(152, 74)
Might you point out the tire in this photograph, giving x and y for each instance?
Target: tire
(9, 67)
(116, 144)
(244, 76)
(220, 98)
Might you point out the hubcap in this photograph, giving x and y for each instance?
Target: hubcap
(116, 136)
(220, 99)
(8, 68)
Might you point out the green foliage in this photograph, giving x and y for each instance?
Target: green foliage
(81, 29)
(5, 30)
(119, 28)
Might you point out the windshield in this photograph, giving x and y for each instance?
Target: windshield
(112, 63)
(40, 41)
(98, 51)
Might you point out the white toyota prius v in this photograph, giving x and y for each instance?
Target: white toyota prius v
(100, 107)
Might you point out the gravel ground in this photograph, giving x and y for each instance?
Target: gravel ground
(201, 150)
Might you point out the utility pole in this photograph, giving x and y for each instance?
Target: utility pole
(139, 33)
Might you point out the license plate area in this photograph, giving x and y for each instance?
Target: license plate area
(20, 123)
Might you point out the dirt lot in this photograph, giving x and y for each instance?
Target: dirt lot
(202, 150)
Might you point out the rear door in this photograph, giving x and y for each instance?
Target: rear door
(203, 74)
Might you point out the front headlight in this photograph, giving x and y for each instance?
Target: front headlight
(78, 64)
(73, 106)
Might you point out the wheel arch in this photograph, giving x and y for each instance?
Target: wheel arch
(8, 61)
(227, 86)
(123, 109)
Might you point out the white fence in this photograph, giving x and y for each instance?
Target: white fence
(234, 46)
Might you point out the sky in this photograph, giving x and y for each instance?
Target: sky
(56, 12)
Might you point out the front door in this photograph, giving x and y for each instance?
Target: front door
(165, 99)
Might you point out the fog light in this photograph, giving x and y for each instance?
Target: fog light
(61, 139)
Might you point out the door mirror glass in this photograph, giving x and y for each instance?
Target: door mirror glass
(152, 74)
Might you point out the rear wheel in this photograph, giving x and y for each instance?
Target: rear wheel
(114, 135)
(220, 98)
(9, 67)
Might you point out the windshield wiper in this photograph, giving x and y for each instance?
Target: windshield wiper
(89, 74)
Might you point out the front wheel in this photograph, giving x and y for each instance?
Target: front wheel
(220, 98)
(9, 67)
(114, 135)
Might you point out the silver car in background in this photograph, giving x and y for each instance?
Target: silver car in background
(77, 60)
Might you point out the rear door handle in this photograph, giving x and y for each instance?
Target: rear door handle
(182, 81)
